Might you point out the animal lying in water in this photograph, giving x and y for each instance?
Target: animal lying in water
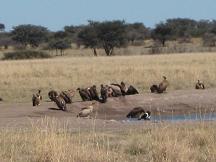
(36, 98)
(161, 87)
(145, 116)
(135, 113)
(199, 85)
(138, 112)
(86, 111)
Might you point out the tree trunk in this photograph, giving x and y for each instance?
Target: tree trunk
(95, 52)
(56, 52)
(111, 52)
(62, 52)
(163, 42)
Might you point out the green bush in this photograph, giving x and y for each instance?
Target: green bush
(17, 55)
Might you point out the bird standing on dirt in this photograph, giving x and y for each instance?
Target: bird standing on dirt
(104, 94)
(131, 90)
(60, 102)
(161, 87)
(36, 98)
(84, 94)
(86, 111)
(67, 95)
(199, 85)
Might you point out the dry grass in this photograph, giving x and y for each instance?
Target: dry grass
(47, 142)
(19, 79)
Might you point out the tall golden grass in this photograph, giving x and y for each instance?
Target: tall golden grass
(19, 79)
(47, 142)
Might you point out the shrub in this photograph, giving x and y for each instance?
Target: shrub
(17, 55)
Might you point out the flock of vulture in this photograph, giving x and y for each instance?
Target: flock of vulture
(113, 90)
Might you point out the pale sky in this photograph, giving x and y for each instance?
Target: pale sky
(55, 14)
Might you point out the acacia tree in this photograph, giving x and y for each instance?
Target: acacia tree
(29, 34)
(111, 34)
(59, 44)
(181, 27)
(89, 37)
(59, 41)
(107, 34)
(162, 33)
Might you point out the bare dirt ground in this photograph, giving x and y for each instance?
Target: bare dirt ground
(110, 115)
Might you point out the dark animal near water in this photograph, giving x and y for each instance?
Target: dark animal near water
(199, 85)
(135, 113)
(145, 116)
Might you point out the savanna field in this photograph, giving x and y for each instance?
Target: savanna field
(20, 79)
(51, 139)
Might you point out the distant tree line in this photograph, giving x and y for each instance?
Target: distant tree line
(108, 35)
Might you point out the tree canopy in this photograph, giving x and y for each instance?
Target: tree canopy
(89, 37)
(162, 33)
(107, 34)
(30, 34)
